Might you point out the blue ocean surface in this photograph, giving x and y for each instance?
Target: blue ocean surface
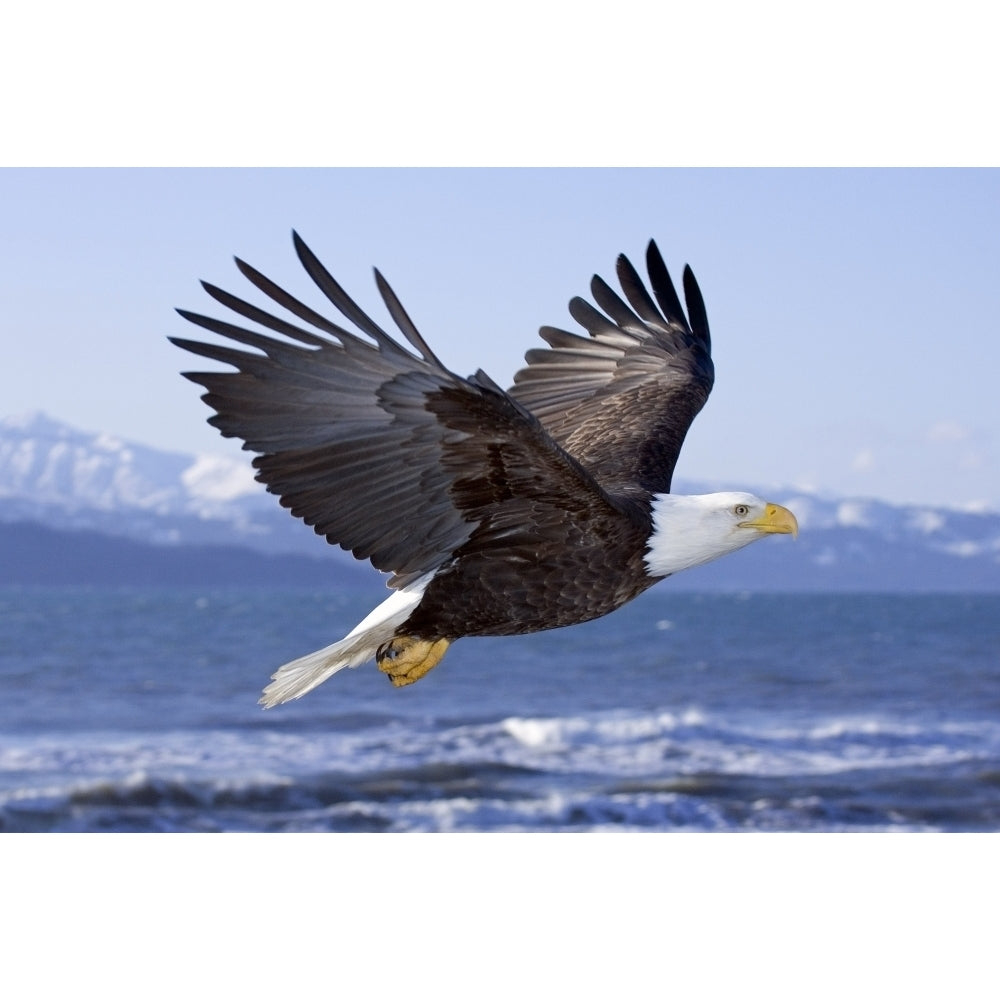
(136, 710)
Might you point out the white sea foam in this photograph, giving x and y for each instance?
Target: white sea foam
(504, 774)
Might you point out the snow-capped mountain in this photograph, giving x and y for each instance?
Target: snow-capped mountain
(71, 479)
(66, 479)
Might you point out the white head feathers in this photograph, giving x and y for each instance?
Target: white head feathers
(691, 530)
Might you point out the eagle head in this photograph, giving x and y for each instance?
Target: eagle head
(691, 530)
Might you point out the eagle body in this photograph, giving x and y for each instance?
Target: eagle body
(496, 512)
(564, 575)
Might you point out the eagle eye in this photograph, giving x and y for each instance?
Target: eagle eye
(741, 510)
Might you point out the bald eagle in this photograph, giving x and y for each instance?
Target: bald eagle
(497, 512)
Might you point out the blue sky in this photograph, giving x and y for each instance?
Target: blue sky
(853, 312)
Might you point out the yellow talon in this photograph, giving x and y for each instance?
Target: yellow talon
(406, 659)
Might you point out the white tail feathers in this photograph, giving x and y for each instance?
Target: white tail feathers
(299, 677)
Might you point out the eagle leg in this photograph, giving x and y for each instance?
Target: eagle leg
(406, 659)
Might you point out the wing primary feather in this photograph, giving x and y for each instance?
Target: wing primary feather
(613, 304)
(696, 307)
(329, 286)
(635, 292)
(289, 302)
(257, 315)
(591, 320)
(267, 345)
(663, 286)
(215, 352)
(403, 321)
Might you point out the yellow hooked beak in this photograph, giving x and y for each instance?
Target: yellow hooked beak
(777, 520)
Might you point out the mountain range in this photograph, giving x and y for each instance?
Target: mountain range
(79, 507)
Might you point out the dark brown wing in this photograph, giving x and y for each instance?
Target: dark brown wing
(621, 400)
(383, 451)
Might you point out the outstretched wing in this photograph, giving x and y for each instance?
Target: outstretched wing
(622, 400)
(382, 450)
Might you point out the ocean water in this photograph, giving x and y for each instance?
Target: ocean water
(136, 710)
